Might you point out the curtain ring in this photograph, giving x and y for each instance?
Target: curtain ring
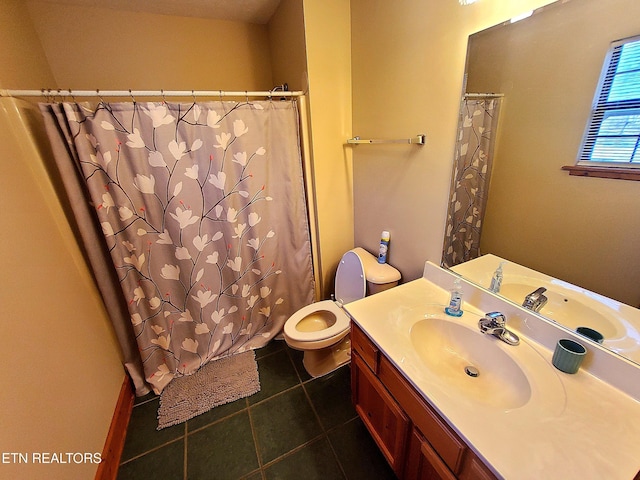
(132, 97)
(73, 97)
(164, 100)
(222, 101)
(193, 94)
(99, 96)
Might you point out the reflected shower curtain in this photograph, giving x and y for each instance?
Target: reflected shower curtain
(470, 180)
(202, 211)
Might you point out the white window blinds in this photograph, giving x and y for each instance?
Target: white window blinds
(612, 137)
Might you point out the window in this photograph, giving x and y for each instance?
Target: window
(612, 138)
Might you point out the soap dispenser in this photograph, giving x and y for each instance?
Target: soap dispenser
(455, 302)
(496, 280)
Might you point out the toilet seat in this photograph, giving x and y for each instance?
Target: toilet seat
(341, 325)
(312, 329)
(350, 285)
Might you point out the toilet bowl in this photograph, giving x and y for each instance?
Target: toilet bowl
(321, 330)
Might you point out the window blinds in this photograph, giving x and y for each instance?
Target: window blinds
(612, 137)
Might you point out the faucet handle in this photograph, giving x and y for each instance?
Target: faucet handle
(497, 318)
(494, 323)
(535, 300)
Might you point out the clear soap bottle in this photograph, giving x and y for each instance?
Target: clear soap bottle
(455, 302)
(496, 280)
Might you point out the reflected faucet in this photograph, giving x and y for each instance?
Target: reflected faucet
(494, 323)
(535, 300)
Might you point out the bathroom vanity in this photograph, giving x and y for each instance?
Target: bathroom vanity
(518, 418)
(413, 437)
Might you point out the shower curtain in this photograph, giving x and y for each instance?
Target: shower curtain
(193, 217)
(470, 180)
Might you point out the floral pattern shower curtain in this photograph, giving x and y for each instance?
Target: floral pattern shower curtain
(470, 180)
(203, 211)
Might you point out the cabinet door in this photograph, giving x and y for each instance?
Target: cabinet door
(449, 447)
(423, 463)
(380, 413)
(474, 469)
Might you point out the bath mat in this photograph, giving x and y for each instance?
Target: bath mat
(218, 382)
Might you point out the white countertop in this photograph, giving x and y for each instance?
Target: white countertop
(574, 426)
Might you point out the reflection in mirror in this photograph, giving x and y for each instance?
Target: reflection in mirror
(600, 319)
(578, 229)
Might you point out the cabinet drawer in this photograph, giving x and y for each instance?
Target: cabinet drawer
(365, 348)
(443, 440)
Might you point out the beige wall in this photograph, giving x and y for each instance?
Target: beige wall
(408, 63)
(328, 41)
(91, 47)
(311, 51)
(62, 372)
(575, 228)
(22, 60)
(287, 45)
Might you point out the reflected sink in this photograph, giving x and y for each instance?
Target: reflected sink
(446, 348)
(562, 307)
(568, 305)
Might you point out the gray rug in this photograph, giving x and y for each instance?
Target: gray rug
(218, 382)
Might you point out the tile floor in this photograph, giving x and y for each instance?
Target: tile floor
(296, 427)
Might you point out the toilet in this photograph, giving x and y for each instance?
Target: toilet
(321, 330)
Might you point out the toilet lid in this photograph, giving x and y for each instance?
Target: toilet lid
(351, 283)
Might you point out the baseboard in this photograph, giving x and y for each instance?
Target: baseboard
(108, 468)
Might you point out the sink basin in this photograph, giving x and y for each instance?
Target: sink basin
(563, 307)
(447, 348)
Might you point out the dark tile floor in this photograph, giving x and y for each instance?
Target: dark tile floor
(296, 427)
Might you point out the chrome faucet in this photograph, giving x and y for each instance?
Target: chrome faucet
(535, 300)
(494, 323)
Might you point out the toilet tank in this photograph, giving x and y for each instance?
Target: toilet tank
(380, 276)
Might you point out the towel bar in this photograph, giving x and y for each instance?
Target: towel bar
(418, 140)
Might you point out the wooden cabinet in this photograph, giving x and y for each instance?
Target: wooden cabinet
(382, 416)
(415, 440)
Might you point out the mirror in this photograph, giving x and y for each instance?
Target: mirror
(578, 229)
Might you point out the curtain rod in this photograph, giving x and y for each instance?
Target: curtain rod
(147, 93)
